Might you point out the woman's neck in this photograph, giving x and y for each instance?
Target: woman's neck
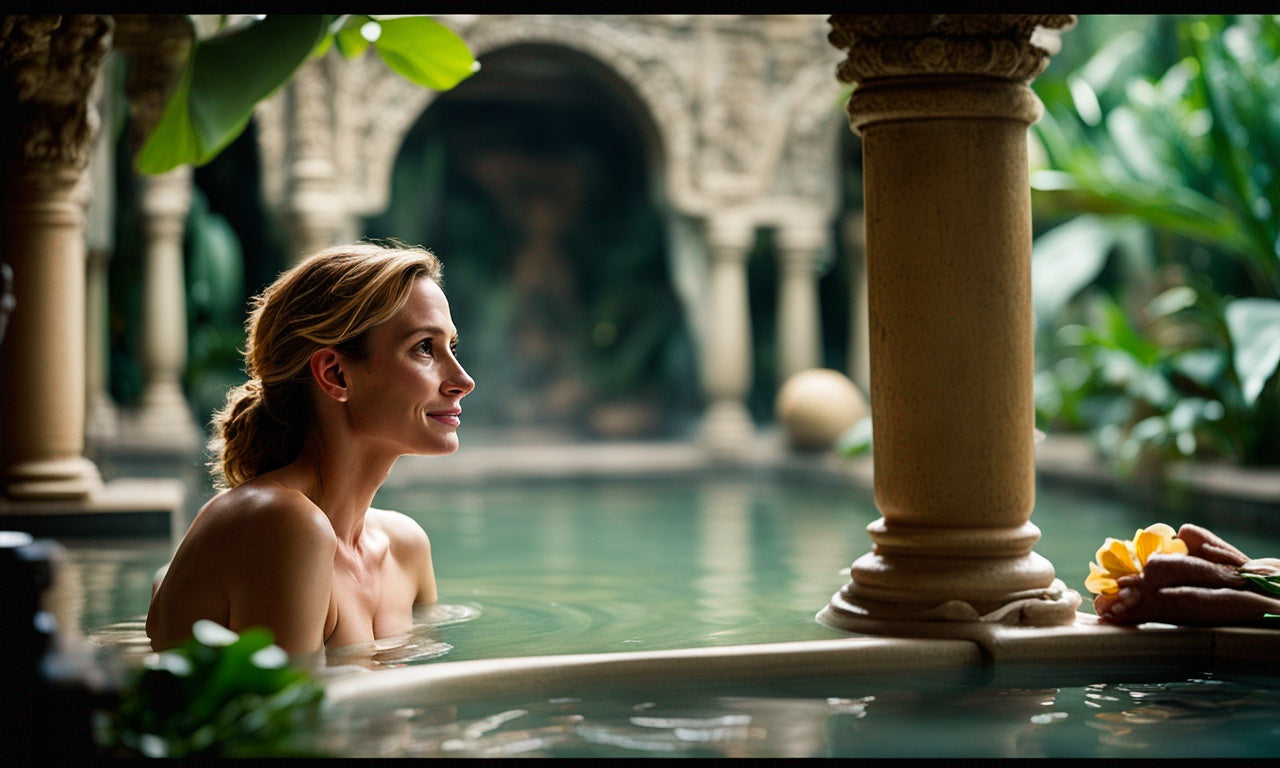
(342, 484)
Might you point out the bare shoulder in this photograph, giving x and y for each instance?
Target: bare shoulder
(401, 530)
(410, 548)
(245, 549)
(267, 510)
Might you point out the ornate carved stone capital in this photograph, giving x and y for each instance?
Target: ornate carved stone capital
(50, 65)
(1008, 46)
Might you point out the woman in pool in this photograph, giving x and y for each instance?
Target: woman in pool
(1202, 588)
(351, 358)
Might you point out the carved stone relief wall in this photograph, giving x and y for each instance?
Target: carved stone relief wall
(743, 110)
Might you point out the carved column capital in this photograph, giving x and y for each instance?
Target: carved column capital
(1009, 46)
(50, 65)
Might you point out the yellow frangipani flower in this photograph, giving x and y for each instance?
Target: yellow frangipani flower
(1116, 558)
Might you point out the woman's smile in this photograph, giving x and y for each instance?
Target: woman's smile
(450, 416)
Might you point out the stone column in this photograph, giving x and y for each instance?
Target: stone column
(164, 418)
(314, 216)
(158, 47)
(49, 67)
(942, 105)
(726, 348)
(101, 416)
(799, 246)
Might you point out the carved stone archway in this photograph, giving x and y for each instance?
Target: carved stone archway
(742, 122)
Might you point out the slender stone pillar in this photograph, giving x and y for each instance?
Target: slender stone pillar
(726, 349)
(49, 67)
(799, 319)
(158, 47)
(314, 216)
(942, 105)
(101, 416)
(164, 418)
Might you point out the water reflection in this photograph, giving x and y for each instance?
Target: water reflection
(574, 727)
(418, 645)
(1202, 716)
(1171, 718)
(724, 552)
(126, 642)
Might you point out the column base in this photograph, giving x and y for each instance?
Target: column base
(127, 506)
(164, 421)
(727, 429)
(54, 479)
(1054, 605)
(102, 420)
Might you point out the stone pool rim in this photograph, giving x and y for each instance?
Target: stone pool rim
(940, 648)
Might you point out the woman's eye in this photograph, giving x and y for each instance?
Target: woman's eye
(424, 346)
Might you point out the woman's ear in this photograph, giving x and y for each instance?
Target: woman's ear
(326, 369)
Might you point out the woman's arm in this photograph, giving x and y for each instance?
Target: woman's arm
(284, 573)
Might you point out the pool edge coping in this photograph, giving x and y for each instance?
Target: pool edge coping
(1085, 643)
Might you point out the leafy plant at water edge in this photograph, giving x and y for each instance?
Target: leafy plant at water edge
(226, 75)
(218, 695)
(1168, 284)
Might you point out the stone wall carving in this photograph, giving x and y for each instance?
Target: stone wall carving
(741, 110)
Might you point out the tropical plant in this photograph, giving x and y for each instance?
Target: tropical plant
(241, 64)
(221, 694)
(1163, 283)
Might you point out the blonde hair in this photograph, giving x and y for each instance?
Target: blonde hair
(330, 299)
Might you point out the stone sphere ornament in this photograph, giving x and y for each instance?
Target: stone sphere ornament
(817, 406)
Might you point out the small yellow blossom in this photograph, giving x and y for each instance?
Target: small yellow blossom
(1116, 558)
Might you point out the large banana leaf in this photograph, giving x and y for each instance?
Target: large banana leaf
(226, 76)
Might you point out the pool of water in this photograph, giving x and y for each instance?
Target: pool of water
(556, 567)
(602, 566)
(572, 567)
(1151, 714)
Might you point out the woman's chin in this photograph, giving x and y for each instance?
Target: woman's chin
(440, 447)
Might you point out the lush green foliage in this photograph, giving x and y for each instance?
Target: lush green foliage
(226, 75)
(1156, 297)
(218, 695)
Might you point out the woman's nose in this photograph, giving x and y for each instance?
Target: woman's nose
(460, 383)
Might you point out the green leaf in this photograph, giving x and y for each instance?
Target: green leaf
(1254, 325)
(224, 80)
(1067, 258)
(350, 39)
(174, 140)
(857, 440)
(424, 51)
(1267, 584)
(1115, 62)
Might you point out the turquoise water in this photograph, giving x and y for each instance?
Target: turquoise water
(624, 565)
(604, 566)
(1173, 715)
(537, 568)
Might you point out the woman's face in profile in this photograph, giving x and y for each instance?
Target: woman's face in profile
(408, 391)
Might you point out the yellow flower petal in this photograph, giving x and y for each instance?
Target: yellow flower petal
(1117, 558)
(1100, 582)
(1157, 538)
